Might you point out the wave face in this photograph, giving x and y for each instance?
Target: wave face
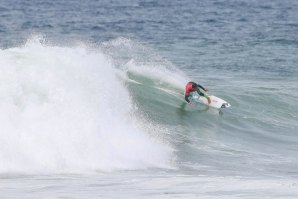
(63, 109)
(255, 137)
(120, 106)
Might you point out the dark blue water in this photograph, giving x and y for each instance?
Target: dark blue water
(65, 64)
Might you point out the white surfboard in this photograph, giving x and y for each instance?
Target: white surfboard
(216, 102)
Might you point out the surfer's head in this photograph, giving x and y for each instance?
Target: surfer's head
(194, 85)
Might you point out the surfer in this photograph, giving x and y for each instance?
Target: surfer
(192, 87)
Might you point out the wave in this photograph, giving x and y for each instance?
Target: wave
(64, 110)
(120, 106)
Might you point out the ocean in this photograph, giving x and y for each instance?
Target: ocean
(92, 99)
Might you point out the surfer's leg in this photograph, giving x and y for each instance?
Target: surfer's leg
(201, 94)
(206, 96)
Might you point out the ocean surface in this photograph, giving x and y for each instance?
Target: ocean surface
(92, 99)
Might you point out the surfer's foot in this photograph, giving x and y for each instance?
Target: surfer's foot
(209, 100)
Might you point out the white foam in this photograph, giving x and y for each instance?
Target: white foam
(62, 109)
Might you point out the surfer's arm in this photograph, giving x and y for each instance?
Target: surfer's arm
(204, 95)
(200, 86)
(186, 98)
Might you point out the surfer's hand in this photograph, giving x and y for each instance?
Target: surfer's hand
(206, 90)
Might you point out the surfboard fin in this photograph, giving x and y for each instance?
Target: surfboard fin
(225, 105)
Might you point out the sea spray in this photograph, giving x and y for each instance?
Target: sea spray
(135, 58)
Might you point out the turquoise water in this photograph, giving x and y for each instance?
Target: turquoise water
(92, 104)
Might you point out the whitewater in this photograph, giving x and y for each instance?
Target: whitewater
(64, 110)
